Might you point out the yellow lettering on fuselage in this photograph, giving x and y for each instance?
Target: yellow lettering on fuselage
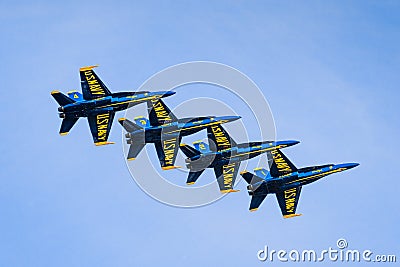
(94, 85)
(102, 123)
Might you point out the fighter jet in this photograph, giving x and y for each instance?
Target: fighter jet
(165, 131)
(98, 104)
(285, 181)
(224, 155)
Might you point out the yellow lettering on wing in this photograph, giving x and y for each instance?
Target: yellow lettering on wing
(220, 138)
(227, 172)
(280, 162)
(160, 111)
(94, 85)
(290, 199)
(169, 150)
(102, 124)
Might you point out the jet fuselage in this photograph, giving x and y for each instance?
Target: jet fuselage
(299, 178)
(114, 102)
(182, 127)
(234, 154)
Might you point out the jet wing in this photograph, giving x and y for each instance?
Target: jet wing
(167, 149)
(220, 138)
(279, 163)
(288, 200)
(100, 125)
(92, 86)
(226, 176)
(159, 113)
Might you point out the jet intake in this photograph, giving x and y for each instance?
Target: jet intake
(60, 109)
(250, 189)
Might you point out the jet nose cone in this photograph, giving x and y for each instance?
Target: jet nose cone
(168, 93)
(290, 142)
(231, 118)
(350, 165)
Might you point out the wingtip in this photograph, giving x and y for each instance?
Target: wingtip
(190, 183)
(88, 67)
(63, 134)
(121, 119)
(54, 92)
(182, 144)
(291, 215)
(229, 191)
(243, 172)
(253, 210)
(170, 167)
(130, 159)
(104, 143)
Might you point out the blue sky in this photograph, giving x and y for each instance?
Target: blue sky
(329, 70)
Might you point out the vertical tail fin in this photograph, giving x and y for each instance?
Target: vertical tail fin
(75, 95)
(142, 121)
(203, 147)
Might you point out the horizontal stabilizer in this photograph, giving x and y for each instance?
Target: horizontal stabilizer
(67, 124)
(256, 201)
(61, 99)
(128, 125)
(134, 151)
(193, 176)
(189, 151)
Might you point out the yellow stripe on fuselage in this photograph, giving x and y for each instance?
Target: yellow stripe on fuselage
(317, 175)
(197, 126)
(255, 151)
(124, 102)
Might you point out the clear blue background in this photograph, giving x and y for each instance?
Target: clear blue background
(329, 69)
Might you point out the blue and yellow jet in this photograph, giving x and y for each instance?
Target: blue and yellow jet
(165, 130)
(98, 104)
(285, 181)
(224, 155)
